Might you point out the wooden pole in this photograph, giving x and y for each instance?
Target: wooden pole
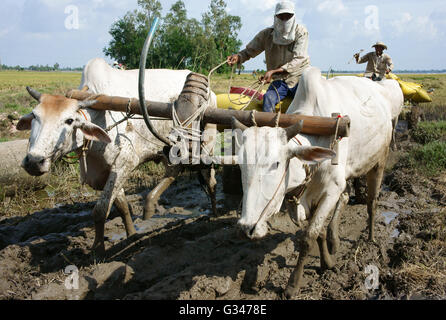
(323, 126)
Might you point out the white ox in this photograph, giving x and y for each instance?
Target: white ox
(59, 126)
(272, 160)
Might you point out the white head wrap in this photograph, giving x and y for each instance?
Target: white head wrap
(284, 31)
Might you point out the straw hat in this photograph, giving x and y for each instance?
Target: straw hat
(380, 44)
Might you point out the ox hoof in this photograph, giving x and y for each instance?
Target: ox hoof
(290, 292)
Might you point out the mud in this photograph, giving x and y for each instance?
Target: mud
(184, 253)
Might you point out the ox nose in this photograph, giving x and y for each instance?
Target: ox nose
(34, 165)
(245, 231)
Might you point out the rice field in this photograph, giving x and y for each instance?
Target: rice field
(13, 94)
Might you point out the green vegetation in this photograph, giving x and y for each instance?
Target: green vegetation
(427, 132)
(428, 155)
(429, 159)
(180, 43)
(13, 87)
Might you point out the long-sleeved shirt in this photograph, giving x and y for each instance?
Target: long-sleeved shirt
(293, 58)
(376, 65)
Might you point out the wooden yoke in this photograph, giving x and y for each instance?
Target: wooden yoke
(321, 126)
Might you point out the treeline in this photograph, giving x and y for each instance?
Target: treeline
(394, 71)
(179, 42)
(41, 68)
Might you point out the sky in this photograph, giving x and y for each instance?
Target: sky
(71, 32)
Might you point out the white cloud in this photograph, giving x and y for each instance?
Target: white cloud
(400, 24)
(4, 32)
(333, 7)
(421, 26)
(262, 5)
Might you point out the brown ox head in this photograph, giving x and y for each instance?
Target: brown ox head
(58, 127)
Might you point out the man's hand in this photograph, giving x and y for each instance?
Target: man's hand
(268, 77)
(388, 71)
(234, 59)
(356, 56)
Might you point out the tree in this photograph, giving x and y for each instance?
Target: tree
(178, 38)
(180, 42)
(129, 33)
(223, 29)
(56, 66)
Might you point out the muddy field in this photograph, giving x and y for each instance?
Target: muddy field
(184, 253)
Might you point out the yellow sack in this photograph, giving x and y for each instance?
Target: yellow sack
(412, 91)
(237, 101)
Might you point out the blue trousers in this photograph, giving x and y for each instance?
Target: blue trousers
(273, 97)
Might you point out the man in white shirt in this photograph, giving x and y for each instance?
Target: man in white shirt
(378, 63)
(286, 52)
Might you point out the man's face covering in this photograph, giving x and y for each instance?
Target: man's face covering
(284, 31)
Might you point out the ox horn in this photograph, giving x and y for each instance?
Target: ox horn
(294, 130)
(34, 93)
(142, 73)
(87, 104)
(238, 125)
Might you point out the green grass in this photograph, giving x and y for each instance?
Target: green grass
(11, 107)
(427, 132)
(13, 87)
(428, 156)
(430, 159)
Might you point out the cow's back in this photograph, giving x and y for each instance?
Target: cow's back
(161, 85)
(370, 106)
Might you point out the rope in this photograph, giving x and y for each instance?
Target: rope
(336, 138)
(250, 87)
(253, 118)
(277, 119)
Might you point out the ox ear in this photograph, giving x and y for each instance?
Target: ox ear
(25, 122)
(313, 155)
(95, 133)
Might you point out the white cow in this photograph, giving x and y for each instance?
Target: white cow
(60, 125)
(272, 160)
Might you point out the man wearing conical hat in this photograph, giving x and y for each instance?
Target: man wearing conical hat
(286, 52)
(378, 63)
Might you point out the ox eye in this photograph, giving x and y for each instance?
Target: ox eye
(69, 122)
